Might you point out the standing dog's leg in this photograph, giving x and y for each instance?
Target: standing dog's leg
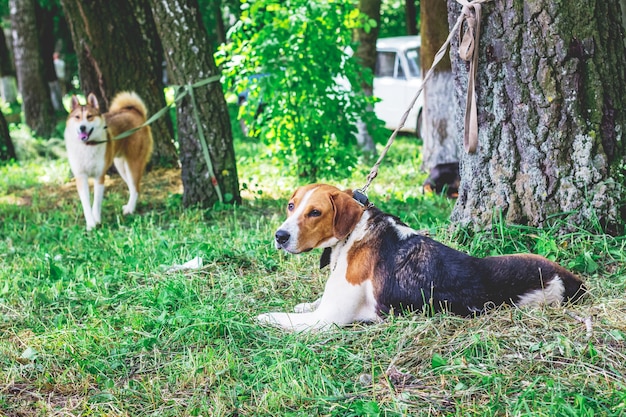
(98, 196)
(82, 186)
(126, 173)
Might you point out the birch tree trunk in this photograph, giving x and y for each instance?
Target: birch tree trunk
(190, 59)
(36, 103)
(551, 114)
(118, 49)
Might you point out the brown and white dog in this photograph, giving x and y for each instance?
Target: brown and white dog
(381, 266)
(91, 150)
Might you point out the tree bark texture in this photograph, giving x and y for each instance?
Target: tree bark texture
(190, 59)
(118, 49)
(7, 151)
(439, 130)
(36, 103)
(366, 54)
(551, 114)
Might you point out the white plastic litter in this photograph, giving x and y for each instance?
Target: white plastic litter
(195, 263)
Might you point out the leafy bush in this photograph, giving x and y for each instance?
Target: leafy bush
(290, 60)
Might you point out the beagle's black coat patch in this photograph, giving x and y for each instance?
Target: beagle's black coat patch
(417, 273)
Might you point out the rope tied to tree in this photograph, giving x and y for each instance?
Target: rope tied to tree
(468, 44)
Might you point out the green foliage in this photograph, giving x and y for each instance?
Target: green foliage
(290, 58)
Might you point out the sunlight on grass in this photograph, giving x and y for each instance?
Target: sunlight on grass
(93, 324)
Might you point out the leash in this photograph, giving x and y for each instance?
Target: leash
(181, 92)
(468, 47)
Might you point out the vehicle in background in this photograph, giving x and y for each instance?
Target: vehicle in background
(397, 78)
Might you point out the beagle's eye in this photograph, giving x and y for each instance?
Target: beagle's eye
(290, 206)
(315, 213)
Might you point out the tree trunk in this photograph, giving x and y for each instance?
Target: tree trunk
(366, 54)
(45, 26)
(36, 103)
(125, 59)
(411, 13)
(8, 82)
(551, 114)
(7, 151)
(439, 131)
(220, 27)
(189, 60)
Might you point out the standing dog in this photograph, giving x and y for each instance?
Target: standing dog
(380, 266)
(91, 149)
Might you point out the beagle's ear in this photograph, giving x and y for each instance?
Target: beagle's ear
(346, 213)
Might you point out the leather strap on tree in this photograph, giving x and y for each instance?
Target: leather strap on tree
(469, 34)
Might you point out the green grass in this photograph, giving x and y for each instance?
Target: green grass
(92, 324)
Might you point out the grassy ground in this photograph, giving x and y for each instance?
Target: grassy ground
(94, 324)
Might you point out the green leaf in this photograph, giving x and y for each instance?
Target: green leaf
(438, 361)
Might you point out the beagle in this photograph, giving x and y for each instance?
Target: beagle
(380, 266)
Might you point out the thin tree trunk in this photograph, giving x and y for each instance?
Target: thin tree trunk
(36, 103)
(189, 60)
(551, 113)
(366, 54)
(220, 27)
(45, 25)
(440, 134)
(7, 151)
(411, 13)
(8, 83)
(118, 50)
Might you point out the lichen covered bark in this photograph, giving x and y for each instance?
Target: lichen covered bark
(551, 115)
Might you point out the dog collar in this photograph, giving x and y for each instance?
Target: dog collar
(361, 198)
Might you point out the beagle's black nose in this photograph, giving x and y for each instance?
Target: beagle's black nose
(282, 237)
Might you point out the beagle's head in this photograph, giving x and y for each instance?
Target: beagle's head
(318, 216)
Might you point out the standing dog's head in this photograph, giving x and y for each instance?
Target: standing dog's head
(86, 120)
(318, 216)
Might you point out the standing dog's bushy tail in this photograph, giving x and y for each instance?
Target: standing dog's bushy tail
(128, 111)
(128, 100)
